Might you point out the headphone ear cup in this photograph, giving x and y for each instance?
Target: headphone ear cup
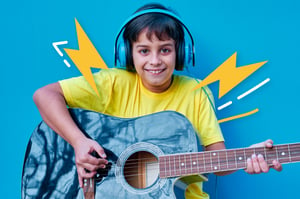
(185, 54)
(180, 56)
(188, 54)
(121, 54)
(128, 55)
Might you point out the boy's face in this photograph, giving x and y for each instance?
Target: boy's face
(154, 61)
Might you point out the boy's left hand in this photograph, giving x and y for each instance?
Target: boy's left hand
(257, 164)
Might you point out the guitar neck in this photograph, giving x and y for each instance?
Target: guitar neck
(223, 160)
(89, 188)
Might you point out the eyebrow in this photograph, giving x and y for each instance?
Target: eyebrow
(163, 45)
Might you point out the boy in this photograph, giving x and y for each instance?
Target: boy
(155, 46)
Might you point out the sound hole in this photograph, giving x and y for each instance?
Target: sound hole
(141, 169)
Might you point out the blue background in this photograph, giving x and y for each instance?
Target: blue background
(257, 30)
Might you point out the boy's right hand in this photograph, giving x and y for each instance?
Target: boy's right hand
(87, 165)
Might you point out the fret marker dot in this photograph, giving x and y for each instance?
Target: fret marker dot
(182, 164)
(240, 158)
(194, 163)
(215, 168)
(283, 153)
(214, 154)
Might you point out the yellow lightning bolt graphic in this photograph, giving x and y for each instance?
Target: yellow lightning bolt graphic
(86, 57)
(229, 75)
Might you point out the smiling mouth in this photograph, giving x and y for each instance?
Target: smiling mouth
(155, 71)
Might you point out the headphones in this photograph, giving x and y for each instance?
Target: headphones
(185, 52)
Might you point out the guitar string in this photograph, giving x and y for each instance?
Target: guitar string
(223, 157)
(224, 162)
(297, 147)
(134, 174)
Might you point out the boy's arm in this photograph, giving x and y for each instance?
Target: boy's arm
(52, 106)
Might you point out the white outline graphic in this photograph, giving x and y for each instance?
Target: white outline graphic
(253, 89)
(55, 44)
(245, 93)
(224, 105)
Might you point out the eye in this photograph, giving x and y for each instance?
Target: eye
(144, 51)
(165, 50)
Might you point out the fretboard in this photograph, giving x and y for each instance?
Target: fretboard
(223, 160)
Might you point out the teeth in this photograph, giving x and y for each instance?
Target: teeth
(155, 71)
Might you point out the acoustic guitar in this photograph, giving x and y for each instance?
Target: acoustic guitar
(148, 156)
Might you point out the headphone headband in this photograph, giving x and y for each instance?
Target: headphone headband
(161, 11)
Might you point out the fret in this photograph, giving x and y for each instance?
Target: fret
(245, 158)
(191, 163)
(173, 164)
(201, 163)
(214, 160)
(177, 165)
(188, 164)
(208, 163)
(195, 165)
(236, 166)
(276, 153)
(170, 174)
(185, 170)
(166, 168)
(162, 166)
(172, 168)
(271, 155)
(265, 156)
(226, 159)
(181, 164)
(290, 157)
(240, 158)
(283, 153)
(223, 160)
(204, 162)
(295, 152)
(211, 161)
(198, 165)
(219, 160)
(231, 160)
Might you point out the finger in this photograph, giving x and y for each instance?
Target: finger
(249, 166)
(255, 164)
(262, 163)
(269, 143)
(100, 151)
(84, 173)
(94, 167)
(80, 180)
(276, 165)
(90, 162)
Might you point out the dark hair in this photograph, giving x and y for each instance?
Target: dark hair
(159, 24)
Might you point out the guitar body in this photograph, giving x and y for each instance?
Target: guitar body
(49, 167)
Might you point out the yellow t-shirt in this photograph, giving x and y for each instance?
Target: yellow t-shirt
(122, 94)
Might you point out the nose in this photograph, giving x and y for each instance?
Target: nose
(155, 59)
